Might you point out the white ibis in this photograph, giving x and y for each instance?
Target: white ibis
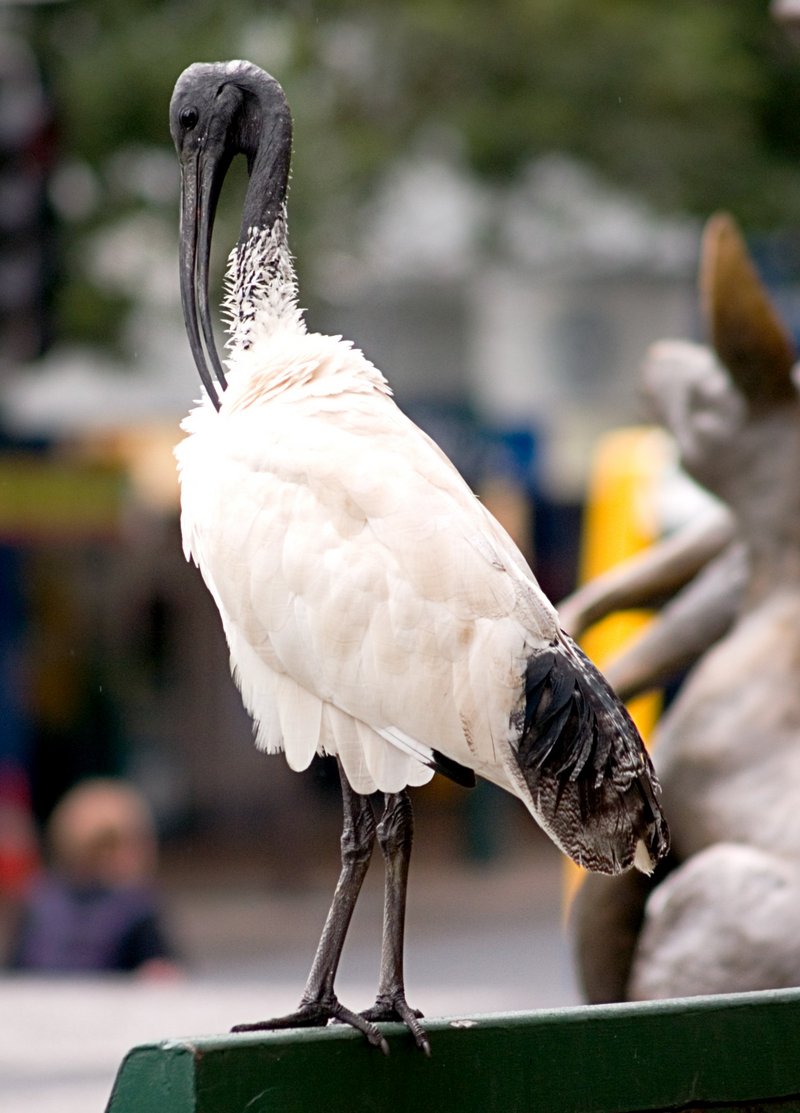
(374, 609)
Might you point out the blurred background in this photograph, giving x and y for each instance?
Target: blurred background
(501, 205)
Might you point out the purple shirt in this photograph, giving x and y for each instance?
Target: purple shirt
(70, 928)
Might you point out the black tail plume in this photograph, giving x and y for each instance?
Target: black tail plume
(590, 779)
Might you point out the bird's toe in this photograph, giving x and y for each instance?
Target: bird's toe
(365, 1024)
(313, 1014)
(394, 1007)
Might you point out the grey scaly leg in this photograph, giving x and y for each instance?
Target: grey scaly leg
(319, 1003)
(395, 835)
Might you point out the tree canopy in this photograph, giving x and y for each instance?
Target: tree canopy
(690, 105)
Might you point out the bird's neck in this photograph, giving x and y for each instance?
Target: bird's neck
(261, 286)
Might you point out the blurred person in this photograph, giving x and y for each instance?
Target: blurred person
(94, 909)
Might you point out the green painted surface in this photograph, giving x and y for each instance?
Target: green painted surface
(156, 1079)
(741, 1050)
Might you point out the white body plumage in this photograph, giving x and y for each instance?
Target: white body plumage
(374, 609)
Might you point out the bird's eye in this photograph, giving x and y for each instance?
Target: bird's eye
(188, 118)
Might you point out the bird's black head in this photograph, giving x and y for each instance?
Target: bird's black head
(219, 110)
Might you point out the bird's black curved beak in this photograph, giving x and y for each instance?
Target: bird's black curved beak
(202, 173)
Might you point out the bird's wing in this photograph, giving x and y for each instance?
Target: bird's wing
(352, 564)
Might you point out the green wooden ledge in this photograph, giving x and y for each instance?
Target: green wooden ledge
(736, 1051)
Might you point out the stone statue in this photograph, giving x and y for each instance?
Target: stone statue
(722, 914)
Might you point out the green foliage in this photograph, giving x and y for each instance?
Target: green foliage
(691, 104)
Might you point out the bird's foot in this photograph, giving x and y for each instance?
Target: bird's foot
(393, 1006)
(313, 1014)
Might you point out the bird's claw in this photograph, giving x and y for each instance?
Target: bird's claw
(389, 1007)
(313, 1014)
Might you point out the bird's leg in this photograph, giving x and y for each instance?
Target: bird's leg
(395, 835)
(319, 1003)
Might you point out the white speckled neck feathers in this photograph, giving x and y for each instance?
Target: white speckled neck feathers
(261, 288)
(271, 351)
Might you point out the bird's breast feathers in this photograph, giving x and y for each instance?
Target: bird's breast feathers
(371, 603)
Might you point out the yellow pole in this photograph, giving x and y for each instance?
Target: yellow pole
(620, 520)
